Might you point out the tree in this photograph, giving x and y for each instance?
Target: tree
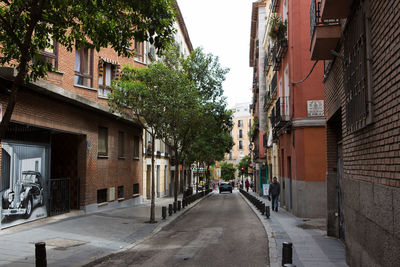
(227, 171)
(244, 165)
(158, 94)
(28, 27)
(213, 139)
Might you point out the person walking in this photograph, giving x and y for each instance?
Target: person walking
(247, 184)
(274, 191)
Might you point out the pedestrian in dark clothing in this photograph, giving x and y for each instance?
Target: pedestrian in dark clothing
(274, 191)
(247, 184)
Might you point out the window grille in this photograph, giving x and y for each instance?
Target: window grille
(357, 70)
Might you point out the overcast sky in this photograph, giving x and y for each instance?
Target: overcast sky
(222, 27)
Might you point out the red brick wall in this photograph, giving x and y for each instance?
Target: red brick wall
(66, 64)
(372, 155)
(41, 111)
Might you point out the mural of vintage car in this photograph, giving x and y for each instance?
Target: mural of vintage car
(24, 196)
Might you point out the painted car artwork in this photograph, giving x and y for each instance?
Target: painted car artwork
(24, 196)
(23, 183)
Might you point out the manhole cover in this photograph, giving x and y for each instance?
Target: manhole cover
(63, 243)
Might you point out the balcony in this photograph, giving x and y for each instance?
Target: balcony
(325, 34)
(275, 5)
(335, 9)
(282, 48)
(280, 117)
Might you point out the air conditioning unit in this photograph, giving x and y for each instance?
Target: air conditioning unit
(111, 194)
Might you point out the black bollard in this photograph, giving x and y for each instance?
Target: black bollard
(175, 206)
(262, 208)
(179, 205)
(287, 253)
(267, 212)
(40, 254)
(164, 212)
(170, 209)
(183, 203)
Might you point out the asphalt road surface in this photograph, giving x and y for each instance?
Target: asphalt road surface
(220, 231)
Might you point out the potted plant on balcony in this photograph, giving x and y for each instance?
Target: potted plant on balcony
(278, 28)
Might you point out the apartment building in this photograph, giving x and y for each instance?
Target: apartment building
(358, 42)
(256, 60)
(240, 133)
(163, 168)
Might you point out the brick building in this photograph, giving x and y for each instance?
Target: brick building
(359, 43)
(64, 144)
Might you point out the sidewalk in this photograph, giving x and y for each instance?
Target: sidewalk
(75, 239)
(311, 246)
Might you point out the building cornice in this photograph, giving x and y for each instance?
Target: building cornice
(308, 122)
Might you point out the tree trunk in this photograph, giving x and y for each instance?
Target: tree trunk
(12, 100)
(176, 175)
(152, 206)
(197, 178)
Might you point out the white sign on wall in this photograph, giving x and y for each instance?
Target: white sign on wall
(315, 108)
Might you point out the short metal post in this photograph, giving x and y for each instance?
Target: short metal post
(267, 212)
(262, 208)
(179, 205)
(183, 203)
(175, 206)
(170, 209)
(287, 253)
(164, 212)
(40, 254)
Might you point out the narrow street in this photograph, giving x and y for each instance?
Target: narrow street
(220, 231)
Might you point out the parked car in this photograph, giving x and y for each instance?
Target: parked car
(25, 195)
(225, 186)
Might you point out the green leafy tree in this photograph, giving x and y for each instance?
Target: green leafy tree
(244, 165)
(159, 95)
(227, 171)
(28, 27)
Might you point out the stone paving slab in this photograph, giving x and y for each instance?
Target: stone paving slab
(311, 246)
(81, 238)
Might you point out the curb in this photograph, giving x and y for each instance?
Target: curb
(97, 259)
(272, 246)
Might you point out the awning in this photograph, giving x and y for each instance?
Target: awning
(108, 60)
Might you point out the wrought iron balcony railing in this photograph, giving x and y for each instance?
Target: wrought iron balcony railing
(316, 19)
(280, 113)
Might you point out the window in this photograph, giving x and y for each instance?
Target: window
(101, 195)
(135, 189)
(240, 123)
(49, 55)
(240, 144)
(108, 72)
(357, 70)
(83, 67)
(230, 156)
(136, 147)
(249, 123)
(121, 144)
(139, 51)
(240, 133)
(121, 191)
(103, 141)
